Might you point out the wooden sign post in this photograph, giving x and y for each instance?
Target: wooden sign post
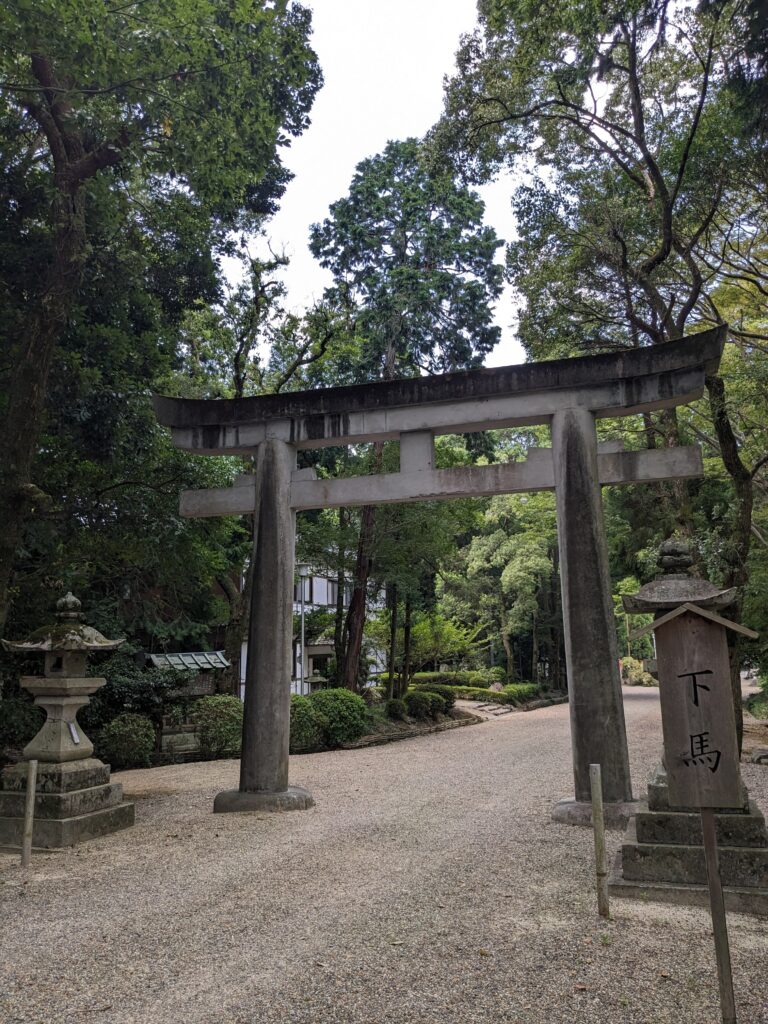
(701, 753)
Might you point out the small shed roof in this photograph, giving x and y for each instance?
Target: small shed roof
(194, 661)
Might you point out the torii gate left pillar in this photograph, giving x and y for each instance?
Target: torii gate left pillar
(569, 395)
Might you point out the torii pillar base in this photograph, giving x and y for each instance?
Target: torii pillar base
(294, 798)
(579, 812)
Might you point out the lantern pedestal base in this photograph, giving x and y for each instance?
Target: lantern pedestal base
(662, 857)
(74, 802)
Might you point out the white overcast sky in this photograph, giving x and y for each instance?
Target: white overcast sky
(383, 65)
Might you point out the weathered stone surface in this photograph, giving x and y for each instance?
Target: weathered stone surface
(579, 812)
(294, 798)
(53, 833)
(592, 658)
(608, 384)
(658, 797)
(684, 827)
(738, 899)
(72, 804)
(57, 778)
(739, 866)
(760, 755)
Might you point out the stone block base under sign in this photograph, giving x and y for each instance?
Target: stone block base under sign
(74, 802)
(662, 858)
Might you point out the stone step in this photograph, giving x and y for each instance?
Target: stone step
(666, 862)
(53, 834)
(72, 804)
(684, 827)
(56, 778)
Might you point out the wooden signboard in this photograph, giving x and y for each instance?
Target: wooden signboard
(700, 748)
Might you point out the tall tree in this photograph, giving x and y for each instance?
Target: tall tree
(414, 265)
(641, 168)
(191, 98)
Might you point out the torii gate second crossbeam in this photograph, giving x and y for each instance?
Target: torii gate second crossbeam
(567, 394)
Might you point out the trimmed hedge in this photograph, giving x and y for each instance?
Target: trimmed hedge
(395, 708)
(219, 721)
(419, 704)
(345, 712)
(308, 725)
(127, 741)
(448, 693)
(514, 693)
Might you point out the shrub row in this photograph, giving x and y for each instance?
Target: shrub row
(514, 693)
(480, 677)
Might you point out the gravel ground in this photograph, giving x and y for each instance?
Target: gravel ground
(427, 885)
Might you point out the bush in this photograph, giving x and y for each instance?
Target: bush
(151, 692)
(345, 713)
(20, 720)
(308, 725)
(448, 693)
(396, 708)
(437, 703)
(127, 741)
(497, 674)
(219, 721)
(519, 693)
(419, 704)
(633, 674)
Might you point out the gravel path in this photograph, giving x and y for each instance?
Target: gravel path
(427, 885)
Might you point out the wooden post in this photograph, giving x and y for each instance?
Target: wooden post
(719, 924)
(29, 814)
(598, 824)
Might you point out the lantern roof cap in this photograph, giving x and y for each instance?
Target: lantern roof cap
(68, 633)
(677, 585)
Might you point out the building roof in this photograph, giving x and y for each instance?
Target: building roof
(195, 661)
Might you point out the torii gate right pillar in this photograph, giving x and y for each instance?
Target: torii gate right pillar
(598, 733)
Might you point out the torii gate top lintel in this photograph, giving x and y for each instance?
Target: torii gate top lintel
(609, 384)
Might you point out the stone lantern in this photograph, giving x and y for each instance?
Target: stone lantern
(75, 799)
(662, 855)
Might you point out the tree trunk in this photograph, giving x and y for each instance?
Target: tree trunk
(535, 652)
(406, 673)
(353, 627)
(392, 601)
(510, 656)
(737, 550)
(341, 584)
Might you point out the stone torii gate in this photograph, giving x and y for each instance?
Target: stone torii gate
(567, 394)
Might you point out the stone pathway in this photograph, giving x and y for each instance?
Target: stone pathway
(427, 886)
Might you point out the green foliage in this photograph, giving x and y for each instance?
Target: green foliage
(219, 722)
(633, 674)
(127, 741)
(481, 677)
(309, 726)
(409, 250)
(514, 693)
(345, 713)
(519, 693)
(419, 704)
(446, 693)
(20, 720)
(396, 708)
(151, 692)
